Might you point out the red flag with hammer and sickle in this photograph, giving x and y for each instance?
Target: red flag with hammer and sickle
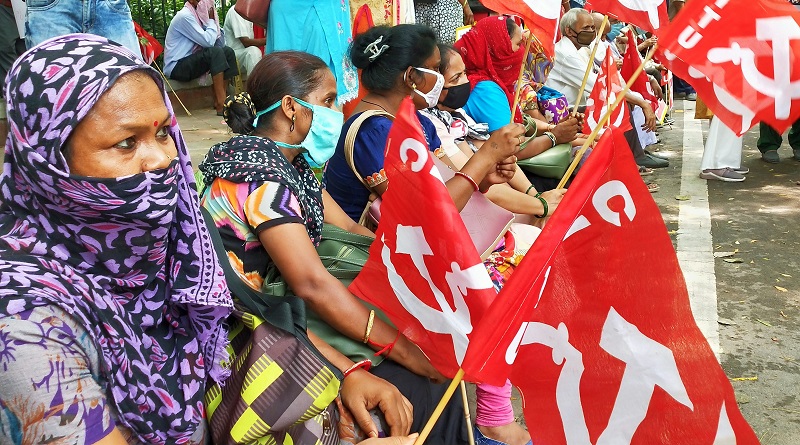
(749, 50)
(424, 271)
(540, 16)
(606, 88)
(595, 327)
(649, 15)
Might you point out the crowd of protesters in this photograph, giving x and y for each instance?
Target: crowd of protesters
(99, 206)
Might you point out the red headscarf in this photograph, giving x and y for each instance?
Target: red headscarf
(487, 54)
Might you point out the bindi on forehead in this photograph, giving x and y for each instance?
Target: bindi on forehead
(155, 123)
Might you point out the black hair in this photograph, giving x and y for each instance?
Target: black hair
(511, 25)
(446, 52)
(278, 74)
(406, 45)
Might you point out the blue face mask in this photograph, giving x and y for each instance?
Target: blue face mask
(320, 142)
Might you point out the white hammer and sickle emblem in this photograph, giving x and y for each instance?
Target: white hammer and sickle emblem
(444, 320)
(780, 31)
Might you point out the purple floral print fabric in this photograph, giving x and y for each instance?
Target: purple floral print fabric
(129, 258)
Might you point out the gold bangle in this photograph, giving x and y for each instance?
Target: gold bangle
(465, 3)
(370, 322)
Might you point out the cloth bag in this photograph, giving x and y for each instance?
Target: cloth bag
(343, 254)
(552, 104)
(551, 163)
(281, 389)
(253, 10)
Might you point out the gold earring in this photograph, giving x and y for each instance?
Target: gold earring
(292, 127)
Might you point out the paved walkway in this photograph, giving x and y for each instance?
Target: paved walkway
(201, 130)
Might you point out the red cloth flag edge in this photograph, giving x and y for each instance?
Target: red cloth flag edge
(540, 16)
(631, 61)
(738, 45)
(655, 380)
(603, 95)
(149, 46)
(653, 17)
(575, 382)
(423, 270)
(499, 325)
(736, 115)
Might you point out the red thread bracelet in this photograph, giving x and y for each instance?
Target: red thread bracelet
(363, 364)
(385, 349)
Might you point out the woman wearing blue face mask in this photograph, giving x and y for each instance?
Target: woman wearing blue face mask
(270, 208)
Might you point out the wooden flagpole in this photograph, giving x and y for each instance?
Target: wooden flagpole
(163, 76)
(519, 79)
(470, 434)
(426, 431)
(605, 118)
(590, 66)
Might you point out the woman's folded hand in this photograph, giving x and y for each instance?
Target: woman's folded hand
(362, 391)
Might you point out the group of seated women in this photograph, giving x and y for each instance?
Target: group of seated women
(114, 307)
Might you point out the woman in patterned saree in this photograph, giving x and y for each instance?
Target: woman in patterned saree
(112, 302)
(270, 210)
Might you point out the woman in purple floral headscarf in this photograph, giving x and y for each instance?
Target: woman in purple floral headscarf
(111, 298)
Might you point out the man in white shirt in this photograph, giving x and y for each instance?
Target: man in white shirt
(192, 49)
(239, 36)
(572, 56)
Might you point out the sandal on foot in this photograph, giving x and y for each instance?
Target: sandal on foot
(645, 171)
(653, 187)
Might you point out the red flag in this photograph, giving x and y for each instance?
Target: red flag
(604, 93)
(630, 62)
(423, 270)
(597, 328)
(748, 48)
(540, 16)
(726, 107)
(649, 15)
(150, 47)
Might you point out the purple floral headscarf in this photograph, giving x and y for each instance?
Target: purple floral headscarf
(129, 258)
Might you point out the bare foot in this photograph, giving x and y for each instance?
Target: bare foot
(511, 433)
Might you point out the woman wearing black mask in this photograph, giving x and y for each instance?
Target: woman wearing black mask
(461, 136)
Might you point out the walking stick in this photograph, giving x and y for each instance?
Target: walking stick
(163, 76)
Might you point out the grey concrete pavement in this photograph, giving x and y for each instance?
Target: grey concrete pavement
(747, 304)
(201, 130)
